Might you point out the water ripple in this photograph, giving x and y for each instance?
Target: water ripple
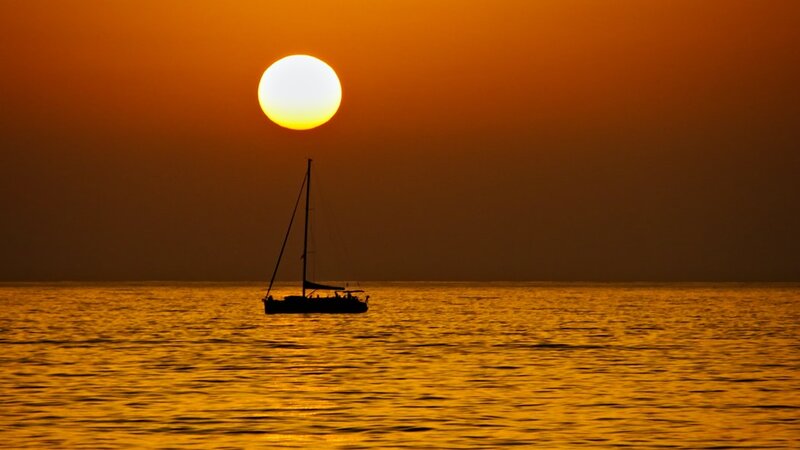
(430, 366)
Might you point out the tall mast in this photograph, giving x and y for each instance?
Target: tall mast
(286, 238)
(305, 232)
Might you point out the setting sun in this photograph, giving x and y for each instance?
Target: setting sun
(299, 92)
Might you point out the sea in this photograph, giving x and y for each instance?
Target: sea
(430, 366)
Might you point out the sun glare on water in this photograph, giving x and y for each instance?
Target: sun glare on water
(299, 92)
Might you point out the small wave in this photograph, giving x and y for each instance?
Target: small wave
(410, 428)
(775, 406)
(426, 397)
(71, 375)
(247, 432)
(554, 346)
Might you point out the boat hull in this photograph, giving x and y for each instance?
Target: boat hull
(296, 304)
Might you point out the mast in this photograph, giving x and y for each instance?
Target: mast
(286, 238)
(305, 232)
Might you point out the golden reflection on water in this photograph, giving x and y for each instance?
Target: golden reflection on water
(431, 365)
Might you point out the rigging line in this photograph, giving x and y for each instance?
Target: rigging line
(286, 238)
(312, 237)
(335, 235)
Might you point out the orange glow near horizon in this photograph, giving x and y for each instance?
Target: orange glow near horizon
(591, 140)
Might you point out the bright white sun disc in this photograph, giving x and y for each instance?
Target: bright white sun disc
(299, 92)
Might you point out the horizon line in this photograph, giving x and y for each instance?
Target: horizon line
(144, 281)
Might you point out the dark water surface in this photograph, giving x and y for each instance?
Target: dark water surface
(432, 365)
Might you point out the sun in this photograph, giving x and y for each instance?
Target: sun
(299, 92)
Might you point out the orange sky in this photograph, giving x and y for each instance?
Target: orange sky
(539, 140)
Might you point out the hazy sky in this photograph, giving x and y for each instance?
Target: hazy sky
(486, 140)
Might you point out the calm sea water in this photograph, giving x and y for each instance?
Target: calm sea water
(431, 365)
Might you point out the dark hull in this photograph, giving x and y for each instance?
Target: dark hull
(303, 305)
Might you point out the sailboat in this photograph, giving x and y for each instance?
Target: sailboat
(342, 301)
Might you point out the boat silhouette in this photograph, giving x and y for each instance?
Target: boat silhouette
(342, 301)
